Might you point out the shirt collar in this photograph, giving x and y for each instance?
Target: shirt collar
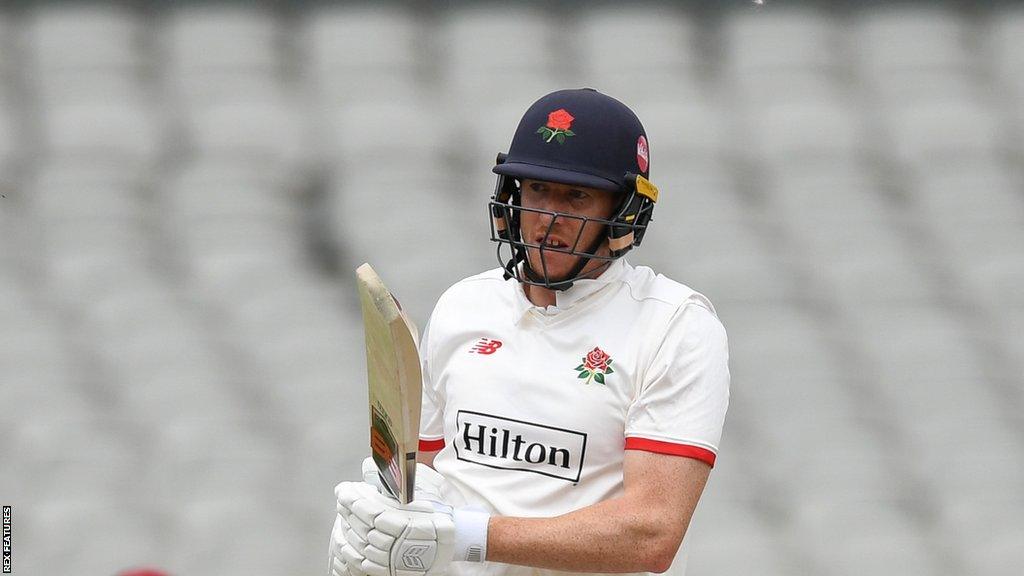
(566, 299)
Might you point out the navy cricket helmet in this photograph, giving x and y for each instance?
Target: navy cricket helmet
(578, 137)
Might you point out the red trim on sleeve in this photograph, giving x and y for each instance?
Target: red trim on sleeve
(647, 445)
(431, 445)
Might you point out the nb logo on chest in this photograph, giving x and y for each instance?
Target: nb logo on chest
(485, 346)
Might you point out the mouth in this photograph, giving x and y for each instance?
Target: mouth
(550, 242)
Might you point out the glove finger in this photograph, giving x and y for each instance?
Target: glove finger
(340, 568)
(346, 534)
(345, 515)
(338, 528)
(377, 556)
(346, 493)
(369, 490)
(359, 527)
(380, 540)
(357, 541)
(392, 523)
(366, 509)
(353, 558)
(336, 554)
(371, 476)
(368, 466)
(338, 539)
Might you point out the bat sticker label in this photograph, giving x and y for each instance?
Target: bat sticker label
(385, 450)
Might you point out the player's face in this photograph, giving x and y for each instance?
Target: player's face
(571, 200)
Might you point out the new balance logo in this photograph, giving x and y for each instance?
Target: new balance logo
(485, 346)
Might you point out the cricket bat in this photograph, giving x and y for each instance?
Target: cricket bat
(395, 384)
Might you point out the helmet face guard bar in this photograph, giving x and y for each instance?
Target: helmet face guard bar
(623, 230)
(520, 247)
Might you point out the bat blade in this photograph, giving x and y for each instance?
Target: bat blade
(394, 382)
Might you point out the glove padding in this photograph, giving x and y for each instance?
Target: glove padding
(336, 565)
(382, 537)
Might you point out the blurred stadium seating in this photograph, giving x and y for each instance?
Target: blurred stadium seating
(187, 188)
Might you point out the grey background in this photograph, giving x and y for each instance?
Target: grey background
(189, 187)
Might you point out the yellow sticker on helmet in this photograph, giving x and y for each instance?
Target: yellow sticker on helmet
(646, 188)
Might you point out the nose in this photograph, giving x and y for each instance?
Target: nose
(547, 216)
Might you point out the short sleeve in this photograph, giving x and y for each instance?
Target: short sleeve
(680, 406)
(432, 407)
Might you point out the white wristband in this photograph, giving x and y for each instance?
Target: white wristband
(471, 535)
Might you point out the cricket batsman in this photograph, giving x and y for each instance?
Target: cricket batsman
(573, 404)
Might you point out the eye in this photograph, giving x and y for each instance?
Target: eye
(534, 194)
(576, 194)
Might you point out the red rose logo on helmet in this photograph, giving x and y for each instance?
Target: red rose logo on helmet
(557, 127)
(596, 364)
(641, 153)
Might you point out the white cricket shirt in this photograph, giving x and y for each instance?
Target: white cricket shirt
(533, 409)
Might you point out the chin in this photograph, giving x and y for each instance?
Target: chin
(557, 266)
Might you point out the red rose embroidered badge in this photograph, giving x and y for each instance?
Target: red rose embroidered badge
(596, 364)
(557, 127)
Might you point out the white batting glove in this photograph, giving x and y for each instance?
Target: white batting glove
(385, 538)
(375, 535)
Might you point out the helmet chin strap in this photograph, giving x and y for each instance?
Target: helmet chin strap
(566, 281)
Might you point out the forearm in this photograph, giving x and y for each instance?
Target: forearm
(610, 536)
